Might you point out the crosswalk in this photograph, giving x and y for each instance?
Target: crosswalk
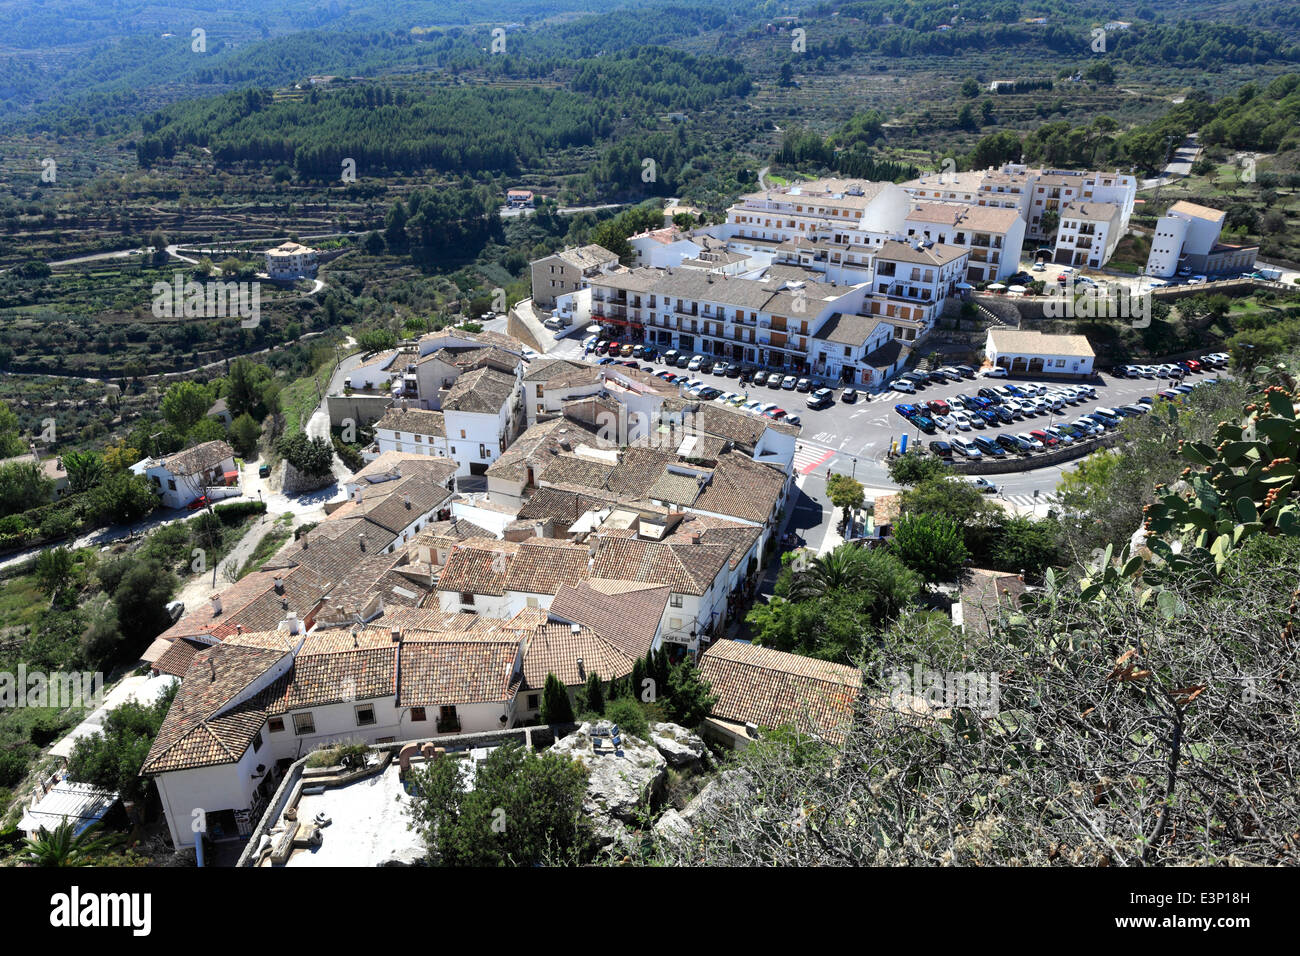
(1027, 501)
(809, 457)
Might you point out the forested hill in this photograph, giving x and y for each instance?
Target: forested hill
(122, 74)
(453, 129)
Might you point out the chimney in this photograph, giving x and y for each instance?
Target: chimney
(356, 494)
(361, 540)
(291, 622)
(216, 604)
(406, 501)
(212, 669)
(695, 537)
(397, 635)
(582, 671)
(239, 629)
(279, 584)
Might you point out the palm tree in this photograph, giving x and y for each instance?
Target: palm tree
(63, 847)
(841, 569)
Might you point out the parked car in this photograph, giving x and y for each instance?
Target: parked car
(989, 447)
(942, 449)
(734, 371)
(789, 382)
(961, 421)
(945, 422)
(1012, 444)
(1030, 438)
(966, 448)
(822, 398)
(898, 385)
(938, 406)
(803, 385)
(602, 347)
(792, 420)
(990, 396)
(936, 377)
(951, 372)
(706, 365)
(1004, 414)
(1060, 433)
(695, 362)
(760, 377)
(649, 353)
(984, 485)
(264, 471)
(775, 380)
(670, 357)
(775, 413)
(720, 367)
(923, 422)
(906, 409)
(965, 370)
(625, 349)
(1045, 438)
(683, 361)
(849, 396)
(989, 417)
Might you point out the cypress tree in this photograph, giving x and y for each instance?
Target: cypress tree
(595, 694)
(556, 707)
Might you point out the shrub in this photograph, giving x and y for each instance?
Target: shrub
(629, 716)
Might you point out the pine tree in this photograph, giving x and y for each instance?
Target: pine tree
(689, 695)
(556, 707)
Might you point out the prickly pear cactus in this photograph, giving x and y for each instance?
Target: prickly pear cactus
(1245, 485)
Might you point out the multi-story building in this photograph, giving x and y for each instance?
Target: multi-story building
(994, 235)
(1054, 189)
(1186, 239)
(1088, 234)
(911, 283)
(845, 212)
(569, 271)
(759, 321)
(290, 260)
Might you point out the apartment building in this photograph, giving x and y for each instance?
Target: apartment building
(1088, 234)
(569, 271)
(291, 260)
(848, 212)
(994, 235)
(1054, 189)
(912, 282)
(764, 322)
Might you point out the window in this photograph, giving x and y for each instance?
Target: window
(365, 715)
(275, 724)
(482, 451)
(676, 600)
(257, 742)
(171, 484)
(462, 433)
(466, 597)
(303, 724)
(532, 602)
(534, 701)
(418, 714)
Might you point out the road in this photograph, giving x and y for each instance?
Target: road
(509, 213)
(1179, 165)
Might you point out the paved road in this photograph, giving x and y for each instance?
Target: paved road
(1179, 165)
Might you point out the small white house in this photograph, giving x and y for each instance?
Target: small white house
(1034, 353)
(290, 260)
(183, 478)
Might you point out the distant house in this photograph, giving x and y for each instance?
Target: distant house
(181, 479)
(290, 260)
(53, 469)
(519, 198)
(221, 412)
(569, 271)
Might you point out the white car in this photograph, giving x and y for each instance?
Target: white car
(944, 422)
(1088, 425)
(903, 385)
(996, 371)
(789, 382)
(694, 364)
(1196, 280)
(1038, 267)
(1044, 406)
(961, 420)
(984, 485)
(753, 407)
(1033, 442)
(1056, 432)
(589, 342)
(966, 447)
(767, 407)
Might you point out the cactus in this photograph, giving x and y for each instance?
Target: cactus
(1242, 486)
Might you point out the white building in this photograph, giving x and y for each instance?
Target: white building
(1186, 240)
(994, 235)
(204, 470)
(911, 284)
(568, 271)
(1088, 234)
(1037, 354)
(290, 260)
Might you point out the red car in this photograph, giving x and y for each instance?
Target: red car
(1191, 365)
(199, 502)
(776, 413)
(1047, 440)
(938, 406)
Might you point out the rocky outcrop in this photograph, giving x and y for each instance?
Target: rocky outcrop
(728, 787)
(621, 782)
(679, 746)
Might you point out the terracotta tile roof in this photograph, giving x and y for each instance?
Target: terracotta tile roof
(442, 672)
(200, 458)
(542, 565)
(984, 594)
(637, 471)
(547, 369)
(625, 613)
(254, 603)
(417, 421)
(674, 488)
(204, 727)
(742, 488)
(555, 648)
(740, 538)
(179, 655)
(772, 688)
(685, 568)
(577, 471)
(938, 254)
(405, 464)
(565, 507)
(483, 390)
(478, 568)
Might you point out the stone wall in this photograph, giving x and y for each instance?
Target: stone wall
(995, 466)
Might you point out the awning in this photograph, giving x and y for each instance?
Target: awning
(232, 475)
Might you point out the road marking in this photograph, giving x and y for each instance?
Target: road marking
(808, 458)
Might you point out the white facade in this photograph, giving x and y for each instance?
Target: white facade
(290, 260)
